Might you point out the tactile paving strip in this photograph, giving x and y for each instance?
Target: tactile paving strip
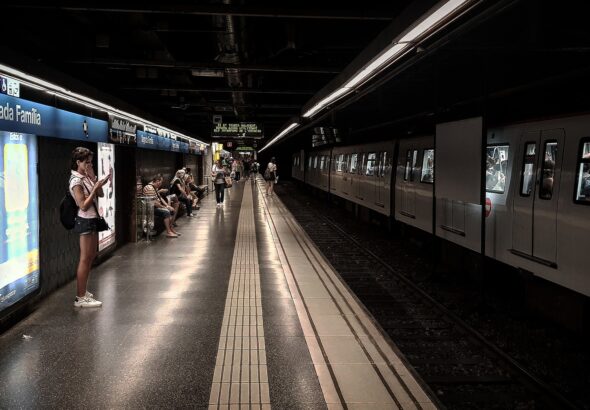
(240, 380)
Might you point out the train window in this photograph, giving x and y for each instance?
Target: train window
(548, 170)
(496, 165)
(322, 162)
(583, 177)
(346, 162)
(408, 162)
(340, 162)
(371, 159)
(309, 163)
(315, 162)
(528, 169)
(353, 161)
(427, 166)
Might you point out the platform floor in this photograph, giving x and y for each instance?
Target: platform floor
(240, 312)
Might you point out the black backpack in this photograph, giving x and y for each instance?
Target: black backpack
(68, 210)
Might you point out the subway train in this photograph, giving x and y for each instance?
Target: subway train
(536, 179)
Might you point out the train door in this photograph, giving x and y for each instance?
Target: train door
(535, 205)
(380, 194)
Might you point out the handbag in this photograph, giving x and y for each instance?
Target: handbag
(101, 224)
(228, 182)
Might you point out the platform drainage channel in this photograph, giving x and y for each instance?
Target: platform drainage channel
(241, 376)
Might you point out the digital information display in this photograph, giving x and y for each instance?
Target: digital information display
(19, 217)
(106, 204)
(237, 130)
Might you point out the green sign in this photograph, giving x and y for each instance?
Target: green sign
(245, 149)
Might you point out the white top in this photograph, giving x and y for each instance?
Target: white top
(87, 185)
(272, 167)
(216, 171)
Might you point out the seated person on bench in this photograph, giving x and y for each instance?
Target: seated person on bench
(161, 207)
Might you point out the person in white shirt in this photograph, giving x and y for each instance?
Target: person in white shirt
(272, 175)
(218, 173)
(85, 187)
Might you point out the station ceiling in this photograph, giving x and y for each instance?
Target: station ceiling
(262, 61)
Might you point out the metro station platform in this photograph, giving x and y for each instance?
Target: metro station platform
(240, 312)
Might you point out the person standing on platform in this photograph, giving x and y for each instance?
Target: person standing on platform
(218, 174)
(85, 187)
(270, 175)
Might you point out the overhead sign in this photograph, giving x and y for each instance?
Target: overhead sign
(237, 130)
(123, 131)
(29, 117)
(245, 149)
(325, 136)
(9, 86)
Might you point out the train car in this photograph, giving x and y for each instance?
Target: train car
(317, 173)
(414, 182)
(363, 175)
(298, 165)
(538, 198)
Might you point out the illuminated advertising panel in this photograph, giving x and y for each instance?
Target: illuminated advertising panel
(19, 217)
(106, 204)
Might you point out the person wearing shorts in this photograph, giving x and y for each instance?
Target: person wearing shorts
(85, 187)
(161, 207)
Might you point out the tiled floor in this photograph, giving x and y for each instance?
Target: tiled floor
(240, 312)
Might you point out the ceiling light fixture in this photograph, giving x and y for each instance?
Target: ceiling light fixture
(61, 92)
(290, 128)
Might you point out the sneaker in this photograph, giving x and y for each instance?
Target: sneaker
(86, 302)
(89, 295)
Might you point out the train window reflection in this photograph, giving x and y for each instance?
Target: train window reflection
(528, 169)
(371, 159)
(340, 162)
(408, 159)
(353, 159)
(315, 162)
(384, 164)
(548, 170)
(309, 163)
(496, 165)
(583, 178)
(322, 162)
(362, 163)
(414, 163)
(427, 166)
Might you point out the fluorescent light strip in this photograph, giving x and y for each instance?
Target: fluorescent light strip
(280, 135)
(388, 57)
(330, 98)
(398, 48)
(59, 91)
(432, 20)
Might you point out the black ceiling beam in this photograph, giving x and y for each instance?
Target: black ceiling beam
(222, 9)
(214, 90)
(206, 66)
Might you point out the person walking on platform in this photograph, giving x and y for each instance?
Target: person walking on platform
(85, 187)
(270, 175)
(218, 174)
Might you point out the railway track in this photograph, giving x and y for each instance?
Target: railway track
(462, 367)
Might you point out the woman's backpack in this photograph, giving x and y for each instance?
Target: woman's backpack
(68, 210)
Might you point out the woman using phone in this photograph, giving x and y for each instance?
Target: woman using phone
(85, 187)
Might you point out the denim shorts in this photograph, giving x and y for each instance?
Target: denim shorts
(85, 226)
(162, 212)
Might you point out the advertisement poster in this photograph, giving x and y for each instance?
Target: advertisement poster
(19, 217)
(106, 204)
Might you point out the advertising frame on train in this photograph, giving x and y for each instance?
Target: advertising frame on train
(19, 219)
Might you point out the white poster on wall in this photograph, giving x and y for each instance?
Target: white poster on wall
(106, 204)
